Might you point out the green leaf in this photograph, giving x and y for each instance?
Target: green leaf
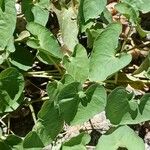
(144, 66)
(36, 12)
(53, 90)
(40, 14)
(106, 16)
(142, 113)
(92, 34)
(22, 36)
(68, 108)
(65, 97)
(15, 142)
(79, 61)
(141, 5)
(94, 103)
(127, 10)
(144, 5)
(2, 5)
(67, 79)
(7, 23)
(81, 21)
(68, 26)
(92, 9)
(122, 109)
(26, 9)
(117, 105)
(68, 101)
(69, 91)
(104, 54)
(22, 58)
(11, 88)
(47, 43)
(46, 59)
(32, 141)
(78, 142)
(12, 142)
(4, 146)
(122, 137)
(50, 123)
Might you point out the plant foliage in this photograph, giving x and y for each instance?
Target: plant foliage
(77, 56)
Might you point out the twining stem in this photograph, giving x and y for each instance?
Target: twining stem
(127, 81)
(140, 46)
(39, 76)
(9, 65)
(56, 65)
(42, 76)
(116, 78)
(126, 39)
(3, 67)
(43, 72)
(8, 125)
(3, 123)
(91, 124)
(33, 113)
(40, 99)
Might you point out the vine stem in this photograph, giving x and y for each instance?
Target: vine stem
(33, 113)
(40, 99)
(43, 72)
(42, 76)
(4, 124)
(8, 125)
(140, 46)
(3, 67)
(9, 65)
(91, 124)
(55, 64)
(116, 78)
(126, 39)
(126, 81)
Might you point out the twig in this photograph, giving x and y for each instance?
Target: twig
(116, 78)
(40, 99)
(91, 124)
(3, 123)
(3, 67)
(8, 125)
(127, 81)
(140, 46)
(57, 66)
(33, 113)
(126, 39)
(42, 76)
(43, 72)
(9, 65)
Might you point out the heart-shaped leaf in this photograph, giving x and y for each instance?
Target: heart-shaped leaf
(121, 108)
(14, 142)
(7, 22)
(45, 41)
(122, 137)
(11, 89)
(50, 123)
(103, 61)
(22, 58)
(142, 5)
(67, 19)
(77, 65)
(37, 12)
(128, 11)
(93, 103)
(78, 142)
(66, 98)
(91, 9)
